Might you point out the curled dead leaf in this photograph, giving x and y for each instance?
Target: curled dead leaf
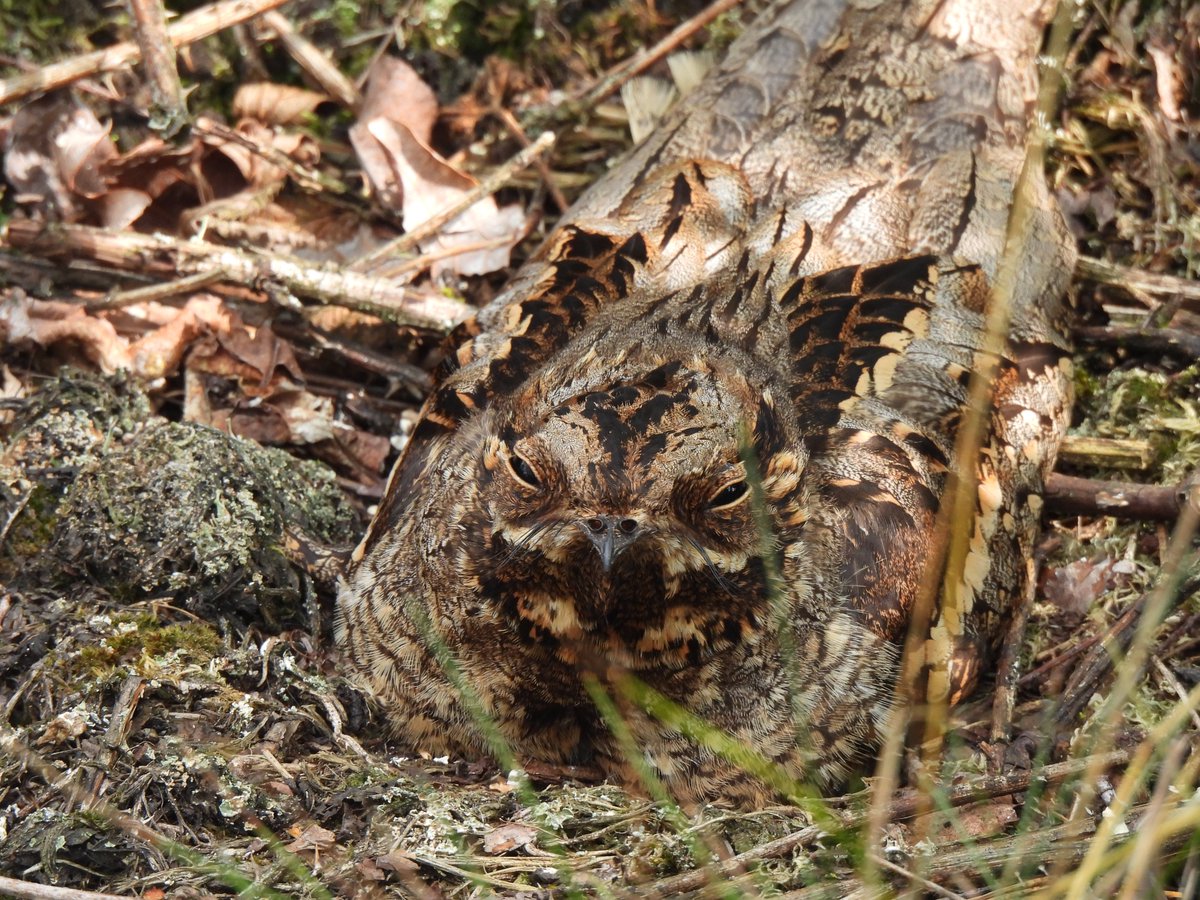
(275, 104)
(314, 837)
(507, 838)
(64, 727)
(1073, 588)
(391, 139)
(54, 154)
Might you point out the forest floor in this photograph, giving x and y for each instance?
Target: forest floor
(172, 718)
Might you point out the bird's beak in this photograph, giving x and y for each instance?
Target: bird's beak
(611, 536)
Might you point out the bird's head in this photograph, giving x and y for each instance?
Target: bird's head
(631, 516)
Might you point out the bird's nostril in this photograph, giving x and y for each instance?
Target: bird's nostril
(629, 526)
(595, 525)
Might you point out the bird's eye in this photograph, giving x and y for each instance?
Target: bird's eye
(728, 495)
(523, 471)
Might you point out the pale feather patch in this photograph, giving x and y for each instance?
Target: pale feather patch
(646, 102)
(689, 67)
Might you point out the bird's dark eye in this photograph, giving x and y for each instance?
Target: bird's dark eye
(728, 495)
(523, 471)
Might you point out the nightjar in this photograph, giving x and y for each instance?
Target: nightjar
(701, 442)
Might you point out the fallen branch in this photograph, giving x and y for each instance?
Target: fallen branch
(1173, 342)
(168, 110)
(1067, 495)
(612, 81)
(314, 61)
(28, 890)
(1115, 452)
(1136, 279)
(173, 258)
(195, 26)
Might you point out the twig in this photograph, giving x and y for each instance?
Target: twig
(486, 187)
(1067, 495)
(1099, 663)
(306, 177)
(194, 26)
(640, 62)
(156, 292)
(1137, 279)
(159, 253)
(314, 61)
(1115, 452)
(931, 886)
(168, 112)
(1174, 342)
(539, 162)
(27, 890)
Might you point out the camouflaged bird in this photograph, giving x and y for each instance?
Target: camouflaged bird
(704, 436)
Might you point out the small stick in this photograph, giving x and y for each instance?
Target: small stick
(931, 886)
(1067, 495)
(539, 162)
(1174, 342)
(156, 292)
(168, 111)
(306, 178)
(486, 187)
(1136, 280)
(640, 62)
(314, 61)
(194, 26)
(28, 890)
(1120, 454)
(159, 253)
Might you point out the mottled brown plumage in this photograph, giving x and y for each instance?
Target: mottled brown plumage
(703, 437)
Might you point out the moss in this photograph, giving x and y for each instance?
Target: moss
(60, 425)
(140, 636)
(1141, 404)
(44, 30)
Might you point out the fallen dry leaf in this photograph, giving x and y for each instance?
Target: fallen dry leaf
(509, 837)
(64, 727)
(1073, 588)
(396, 92)
(262, 363)
(397, 861)
(391, 141)
(275, 104)
(49, 323)
(54, 154)
(314, 837)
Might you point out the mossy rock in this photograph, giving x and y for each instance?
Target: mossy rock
(105, 492)
(195, 513)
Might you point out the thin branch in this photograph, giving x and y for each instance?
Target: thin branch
(314, 61)
(487, 186)
(168, 112)
(173, 258)
(1173, 342)
(28, 890)
(194, 26)
(1136, 279)
(640, 62)
(1067, 495)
